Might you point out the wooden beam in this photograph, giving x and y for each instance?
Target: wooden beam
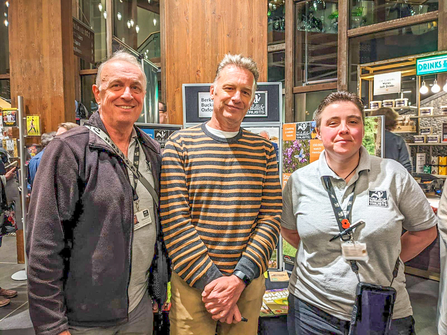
(5, 76)
(393, 24)
(276, 47)
(289, 61)
(315, 88)
(88, 72)
(343, 56)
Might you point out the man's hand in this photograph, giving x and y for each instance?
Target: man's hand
(66, 332)
(233, 317)
(10, 174)
(220, 297)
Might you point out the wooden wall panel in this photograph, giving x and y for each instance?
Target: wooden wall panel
(41, 59)
(198, 33)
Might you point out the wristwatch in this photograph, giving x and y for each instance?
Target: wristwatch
(242, 276)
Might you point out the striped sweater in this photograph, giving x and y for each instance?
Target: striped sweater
(220, 204)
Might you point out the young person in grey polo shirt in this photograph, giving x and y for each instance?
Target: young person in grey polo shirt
(385, 196)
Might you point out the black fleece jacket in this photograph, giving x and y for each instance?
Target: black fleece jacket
(79, 232)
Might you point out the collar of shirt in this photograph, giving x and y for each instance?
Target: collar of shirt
(325, 170)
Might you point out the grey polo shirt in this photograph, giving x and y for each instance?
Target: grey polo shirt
(143, 238)
(387, 198)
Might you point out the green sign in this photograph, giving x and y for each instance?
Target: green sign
(430, 65)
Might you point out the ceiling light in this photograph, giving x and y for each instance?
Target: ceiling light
(435, 88)
(128, 24)
(119, 16)
(137, 29)
(424, 88)
(155, 22)
(100, 7)
(132, 23)
(7, 3)
(6, 23)
(105, 14)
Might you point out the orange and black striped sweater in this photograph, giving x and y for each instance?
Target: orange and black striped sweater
(220, 204)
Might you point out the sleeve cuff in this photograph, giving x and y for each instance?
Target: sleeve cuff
(250, 269)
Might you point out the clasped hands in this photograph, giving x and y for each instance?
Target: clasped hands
(220, 298)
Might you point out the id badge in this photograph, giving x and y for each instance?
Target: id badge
(142, 218)
(354, 251)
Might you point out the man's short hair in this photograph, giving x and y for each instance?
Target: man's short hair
(338, 97)
(67, 125)
(121, 55)
(241, 62)
(390, 117)
(47, 138)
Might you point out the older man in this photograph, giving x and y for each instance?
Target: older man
(93, 221)
(220, 205)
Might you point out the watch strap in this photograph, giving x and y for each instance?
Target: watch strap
(242, 276)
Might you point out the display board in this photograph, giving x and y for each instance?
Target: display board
(159, 132)
(266, 108)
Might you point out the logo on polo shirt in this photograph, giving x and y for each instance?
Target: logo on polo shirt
(378, 198)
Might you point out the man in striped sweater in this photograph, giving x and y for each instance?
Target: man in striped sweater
(220, 208)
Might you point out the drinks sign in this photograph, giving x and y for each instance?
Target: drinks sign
(431, 65)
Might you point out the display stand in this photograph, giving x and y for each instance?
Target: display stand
(21, 275)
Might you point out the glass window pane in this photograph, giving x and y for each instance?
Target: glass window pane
(5, 90)
(92, 13)
(406, 41)
(307, 103)
(364, 13)
(276, 21)
(276, 66)
(316, 42)
(4, 39)
(87, 97)
(139, 27)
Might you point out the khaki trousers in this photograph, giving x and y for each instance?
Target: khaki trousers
(188, 315)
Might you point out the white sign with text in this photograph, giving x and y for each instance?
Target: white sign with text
(387, 83)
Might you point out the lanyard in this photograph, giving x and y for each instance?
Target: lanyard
(343, 221)
(137, 174)
(136, 163)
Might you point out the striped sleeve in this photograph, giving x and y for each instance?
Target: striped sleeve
(263, 240)
(188, 253)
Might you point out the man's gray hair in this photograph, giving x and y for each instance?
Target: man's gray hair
(121, 55)
(47, 138)
(241, 62)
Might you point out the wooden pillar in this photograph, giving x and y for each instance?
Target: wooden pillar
(343, 49)
(196, 34)
(42, 58)
(289, 81)
(442, 35)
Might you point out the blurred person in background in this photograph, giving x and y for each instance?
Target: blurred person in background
(395, 147)
(162, 113)
(65, 126)
(33, 164)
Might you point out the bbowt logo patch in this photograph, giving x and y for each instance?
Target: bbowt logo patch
(378, 198)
